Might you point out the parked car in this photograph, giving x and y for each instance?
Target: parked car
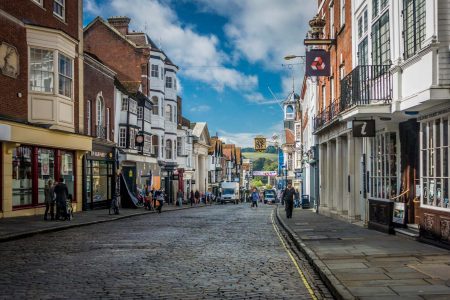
(270, 197)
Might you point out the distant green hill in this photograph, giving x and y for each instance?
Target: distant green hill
(256, 155)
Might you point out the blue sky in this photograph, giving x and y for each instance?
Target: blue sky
(229, 53)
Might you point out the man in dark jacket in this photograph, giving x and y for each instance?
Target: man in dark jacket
(61, 193)
(288, 197)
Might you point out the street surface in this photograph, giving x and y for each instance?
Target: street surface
(222, 251)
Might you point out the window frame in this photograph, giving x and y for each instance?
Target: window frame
(155, 71)
(88, 117)
(62, 4)
(122, 143)
(168, 149)
(69, 77)
(412, 41)
(342, 14)
(377, 34)
(155, 105)
(434, 150)
(169, 82)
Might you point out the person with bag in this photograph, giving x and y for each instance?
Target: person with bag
(49, 201)
(288, 197)
(61, 194)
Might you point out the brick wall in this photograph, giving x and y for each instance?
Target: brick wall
(342, 48)
(116, 52)
(96, 81)
(27, 11)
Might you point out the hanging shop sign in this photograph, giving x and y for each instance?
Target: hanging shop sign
(363, 128)
(139, 140)
(317, 63)
(260, 144)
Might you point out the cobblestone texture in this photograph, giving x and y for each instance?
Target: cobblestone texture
(215, 252)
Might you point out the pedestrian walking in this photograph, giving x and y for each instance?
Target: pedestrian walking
(288, 197)
(191, 198)
(255, 197)
(160, 200)
(61, 193)
(197, 197)
(180, 198)
(49, 201)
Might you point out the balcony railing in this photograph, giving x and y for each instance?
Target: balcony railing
(326, 115)
(100, 132)
(366, 85)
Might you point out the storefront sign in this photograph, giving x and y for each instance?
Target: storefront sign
(399, 213)
(45, 164)
(317, 63)
(265, 173)
(363, 128)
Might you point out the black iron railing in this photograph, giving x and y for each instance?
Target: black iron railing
(326, 115)
(366, 85)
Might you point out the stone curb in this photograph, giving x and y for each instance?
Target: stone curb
(60, 228)
(338, 290)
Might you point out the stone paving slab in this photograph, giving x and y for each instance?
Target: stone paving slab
(21, 227)
(358, 263)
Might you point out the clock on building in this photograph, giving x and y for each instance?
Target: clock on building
(9, 60)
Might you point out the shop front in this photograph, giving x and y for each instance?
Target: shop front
(99, 179)
(434, 213)
(33, 156)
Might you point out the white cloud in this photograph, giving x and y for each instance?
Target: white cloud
(265, 30)
(245, 139)
(181, 42)
(258, 98)
(91, 7)
(200, 108)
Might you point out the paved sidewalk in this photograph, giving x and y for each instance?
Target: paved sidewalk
(20, 227)
(358, 263)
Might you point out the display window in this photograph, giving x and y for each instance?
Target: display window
(33, 167)
(384, 166)
(99, 181)
(434, 159)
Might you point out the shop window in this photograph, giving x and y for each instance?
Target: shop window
(67, 172)
(22, 177)
(46, 171)
(100, 181)
(435, 178)
(383, 166)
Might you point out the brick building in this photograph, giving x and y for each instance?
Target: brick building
(108, 41)
(41, 102)
(99, 108)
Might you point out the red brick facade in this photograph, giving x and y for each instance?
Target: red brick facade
(98, 80)
(14, 92)
(116, 52)
(340, 52)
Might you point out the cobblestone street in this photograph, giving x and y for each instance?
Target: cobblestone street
(214, 252)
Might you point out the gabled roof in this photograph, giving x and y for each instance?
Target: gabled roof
(199, 128)
(229, 151)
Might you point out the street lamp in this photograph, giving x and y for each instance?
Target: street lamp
(289, 57)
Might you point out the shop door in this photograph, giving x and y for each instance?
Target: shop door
(129, 174)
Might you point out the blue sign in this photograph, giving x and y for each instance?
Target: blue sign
(280, 162)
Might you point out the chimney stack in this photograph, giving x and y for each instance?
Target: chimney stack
(120, 23)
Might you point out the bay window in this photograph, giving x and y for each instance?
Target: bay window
(414, 13)
(155, 107)
(434, 158)
(65, 76)
(43, 69)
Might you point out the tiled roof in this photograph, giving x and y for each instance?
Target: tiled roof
(238, 155)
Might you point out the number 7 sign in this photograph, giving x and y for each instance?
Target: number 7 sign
(363, 128)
